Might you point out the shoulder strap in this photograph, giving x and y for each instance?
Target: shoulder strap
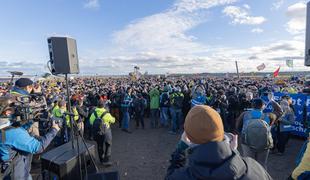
(96, 115)
(103, 114)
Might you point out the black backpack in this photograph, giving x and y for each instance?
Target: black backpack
(99, 128)
(178, 101)
(164, 101)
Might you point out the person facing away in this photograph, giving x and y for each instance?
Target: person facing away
(164, 102)
(208, 152)
(248, 133)
(154, 106)
(139, 105)
(101, 121)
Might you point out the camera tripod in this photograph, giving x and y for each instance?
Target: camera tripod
(75, 134)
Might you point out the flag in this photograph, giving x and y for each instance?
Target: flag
(290, 63)
(261, 67)
(276, 73)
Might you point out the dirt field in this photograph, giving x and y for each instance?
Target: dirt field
(144, 154)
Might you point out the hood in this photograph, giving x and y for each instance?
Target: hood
(215, 160)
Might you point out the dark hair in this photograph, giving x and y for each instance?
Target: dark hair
(101, 104)
(257, 103)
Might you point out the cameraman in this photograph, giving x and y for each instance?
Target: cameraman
(17, 146)
(23, 87)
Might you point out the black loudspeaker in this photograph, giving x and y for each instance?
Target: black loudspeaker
(63, 55)
(307, 50)
(61, 163)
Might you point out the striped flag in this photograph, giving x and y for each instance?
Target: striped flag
(261, 67)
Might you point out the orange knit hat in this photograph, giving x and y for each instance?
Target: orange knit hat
(203, 124)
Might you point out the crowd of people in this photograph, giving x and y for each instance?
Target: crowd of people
(210, 113)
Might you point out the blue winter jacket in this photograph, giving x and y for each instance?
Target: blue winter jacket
(18, 144)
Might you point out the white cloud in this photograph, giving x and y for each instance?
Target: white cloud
(160, 43)
(166, 32)
(297, 15)
(92, 4)
(272, 54)
(277, 4)
(246, 6)
(241, 15)
(257, 30)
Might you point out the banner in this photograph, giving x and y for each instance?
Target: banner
(290, 63)
(301, 105)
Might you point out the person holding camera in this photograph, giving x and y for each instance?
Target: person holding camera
(23, 87)
(17, 145)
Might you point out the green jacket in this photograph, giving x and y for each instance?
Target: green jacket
(108, 119)
(154, 98)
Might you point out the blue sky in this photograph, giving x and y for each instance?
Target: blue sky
(160, 36)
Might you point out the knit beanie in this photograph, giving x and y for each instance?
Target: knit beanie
(203, 124)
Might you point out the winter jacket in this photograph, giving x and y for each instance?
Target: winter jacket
(212, 161)
(154, 97)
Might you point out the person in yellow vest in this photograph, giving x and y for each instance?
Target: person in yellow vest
(58, 111)
(101, 121)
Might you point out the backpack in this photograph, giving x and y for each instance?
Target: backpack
(257, 134)
(164, 100)
(138, 105)
(178, 101)
(116, 100)
(99, 128)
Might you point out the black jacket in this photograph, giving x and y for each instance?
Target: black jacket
(212, 161)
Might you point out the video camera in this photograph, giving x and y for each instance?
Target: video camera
(29, 108)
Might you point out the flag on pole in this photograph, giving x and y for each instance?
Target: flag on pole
(290, 63)
(276, 73)
(261, 67)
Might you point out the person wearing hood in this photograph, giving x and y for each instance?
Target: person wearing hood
(210, 154)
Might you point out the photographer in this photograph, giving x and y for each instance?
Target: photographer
(23, 87)
(16, 144)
